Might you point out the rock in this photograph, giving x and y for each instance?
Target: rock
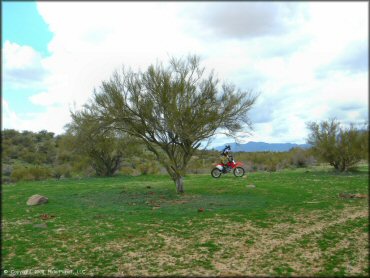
(36, 200)
(251, 186)
(42, 225)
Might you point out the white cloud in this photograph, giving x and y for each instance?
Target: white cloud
(19, 57)
(9, 117)
(85, 52)
(52, 120)
(42, 99)
(287, 51)
(240, 20)
(22, 65)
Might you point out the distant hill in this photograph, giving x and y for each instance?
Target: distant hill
(262, 147)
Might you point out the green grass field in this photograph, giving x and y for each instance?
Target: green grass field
(291, 223)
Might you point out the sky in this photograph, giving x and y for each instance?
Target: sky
(308, 61)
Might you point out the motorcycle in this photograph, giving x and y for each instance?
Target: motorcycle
(231, 164)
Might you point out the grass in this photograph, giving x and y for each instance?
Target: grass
(291, 224)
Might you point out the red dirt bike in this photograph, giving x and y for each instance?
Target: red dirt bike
(231, 164)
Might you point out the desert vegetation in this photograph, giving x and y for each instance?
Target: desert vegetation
(300, 222)
(109, 205)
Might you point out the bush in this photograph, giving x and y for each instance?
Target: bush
(127, 171)
(5, 179)
(7, 170)
(298, 158)
(20, 174)
(283, 164)
(40, 173)
(342, 147)
(30, 173)
(149, 167)
(60, 171)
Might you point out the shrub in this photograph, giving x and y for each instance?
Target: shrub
(148, 167)
(127, 171)
(40, 173)
(60, 171)
(342, 147)
(299, 159)
(20, 173)
(5, 179)
(30, 173)
(7, 170)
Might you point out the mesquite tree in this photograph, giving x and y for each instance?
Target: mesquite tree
(105, 148)
(341, 147)
(171, 109)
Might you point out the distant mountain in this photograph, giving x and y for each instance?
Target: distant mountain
(262, 147)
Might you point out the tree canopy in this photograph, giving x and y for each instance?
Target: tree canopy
(171, 109)
(105, 148)
(341, 147)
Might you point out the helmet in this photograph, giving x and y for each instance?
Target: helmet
(226, 150)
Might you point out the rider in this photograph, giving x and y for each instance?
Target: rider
(225, 157)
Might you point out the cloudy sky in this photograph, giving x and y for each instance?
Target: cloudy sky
(308, 60)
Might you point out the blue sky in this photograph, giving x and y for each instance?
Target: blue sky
(308, 60)
(23, 25)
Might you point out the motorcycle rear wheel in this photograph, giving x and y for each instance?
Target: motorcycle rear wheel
(239, 172)
(216, 173)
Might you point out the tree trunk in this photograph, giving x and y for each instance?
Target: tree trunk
(179, 184)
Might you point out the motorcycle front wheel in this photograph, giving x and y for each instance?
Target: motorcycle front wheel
(239, 172)
(216, 173)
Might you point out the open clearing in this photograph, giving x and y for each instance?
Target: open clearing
(292, 223)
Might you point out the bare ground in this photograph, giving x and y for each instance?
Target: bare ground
(246, 249)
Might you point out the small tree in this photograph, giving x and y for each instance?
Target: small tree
(171, 110)
(105, 148)
(341, 147)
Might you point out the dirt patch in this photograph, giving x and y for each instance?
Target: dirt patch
(275, 240)
(244, 248)
(180, 201)
(352, 196)
(224, 247)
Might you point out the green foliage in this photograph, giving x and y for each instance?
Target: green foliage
(301, 158)
(341, 147)
(69, 160)
(27, 155)
(30, 173)
(27, 152)
(170, 109)
(20, 174)
(141, 223)
(72, 160)
(127, 171)
(34, 148)
(60, 171)
(39, 173)
(104, 147)
(148, 167)
(275, 161)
